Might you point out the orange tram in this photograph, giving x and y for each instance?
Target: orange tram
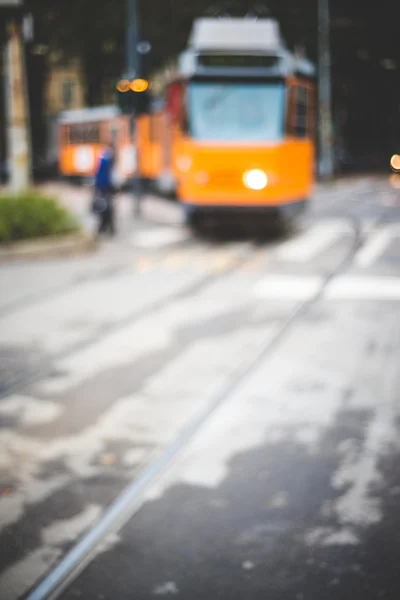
(235, 132)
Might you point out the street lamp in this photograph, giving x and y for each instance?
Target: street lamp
(132, 71)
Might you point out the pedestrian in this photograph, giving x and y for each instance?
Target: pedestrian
(103, 204)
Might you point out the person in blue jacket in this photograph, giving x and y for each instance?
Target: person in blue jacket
(104, 190)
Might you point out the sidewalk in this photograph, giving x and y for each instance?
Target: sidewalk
(78, 200)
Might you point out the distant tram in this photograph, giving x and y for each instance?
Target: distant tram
(236, 131)
(82, 136)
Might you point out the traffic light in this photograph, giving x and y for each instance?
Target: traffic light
(133, 96)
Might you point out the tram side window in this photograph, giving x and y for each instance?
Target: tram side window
(291, 111)
(84, 134)
(301, 117)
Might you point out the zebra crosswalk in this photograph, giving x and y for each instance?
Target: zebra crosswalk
(174, 248)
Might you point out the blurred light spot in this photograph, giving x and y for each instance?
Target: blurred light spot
(255, 179)
(248, 565)
(139, 85)
(123, 85)
(184, 163)
(395, 162)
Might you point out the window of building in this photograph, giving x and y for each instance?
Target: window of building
(68, 89)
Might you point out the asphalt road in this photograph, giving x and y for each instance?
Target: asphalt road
(267, 370)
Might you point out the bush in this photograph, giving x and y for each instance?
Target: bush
(32, 215)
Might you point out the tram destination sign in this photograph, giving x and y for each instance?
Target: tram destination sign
(249, 61)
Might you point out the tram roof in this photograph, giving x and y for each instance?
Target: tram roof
(230, 34)
(233, 36)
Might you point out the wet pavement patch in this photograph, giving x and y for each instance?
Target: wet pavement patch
(15, 362)
(236, 541)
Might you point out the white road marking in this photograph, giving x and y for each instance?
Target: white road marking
(159, 237)
(288, 287)
(328, 536)
(16, 579)
(369, 224)
(348, 287)
(67, 530)
(375, 246)
(29, 411)
(147, 421)
(344, 287)
(312, 241)
(360, 471)
(21, 575)
(165, 589)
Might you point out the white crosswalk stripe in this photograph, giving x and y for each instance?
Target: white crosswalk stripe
(347, 287)
(344, 287)
(376, 245)
(288, 287)
(159, 237)
(312, 242)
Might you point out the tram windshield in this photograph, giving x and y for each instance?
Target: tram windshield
(245, 111)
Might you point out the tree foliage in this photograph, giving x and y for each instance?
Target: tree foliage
(89, 30)
(95, 31)
(362, 37)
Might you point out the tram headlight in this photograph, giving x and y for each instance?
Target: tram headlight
(255, 179)
(395, 162)
(184, 163)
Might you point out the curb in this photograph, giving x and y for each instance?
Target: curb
(52, 247)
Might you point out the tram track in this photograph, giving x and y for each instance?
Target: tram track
(131, 499)
(103, 274)
(36, 298)
(46, 367)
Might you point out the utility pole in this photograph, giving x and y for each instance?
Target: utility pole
(326, 166)
(17, 118)
(133, 70)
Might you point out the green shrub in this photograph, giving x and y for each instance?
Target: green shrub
(32, 215)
